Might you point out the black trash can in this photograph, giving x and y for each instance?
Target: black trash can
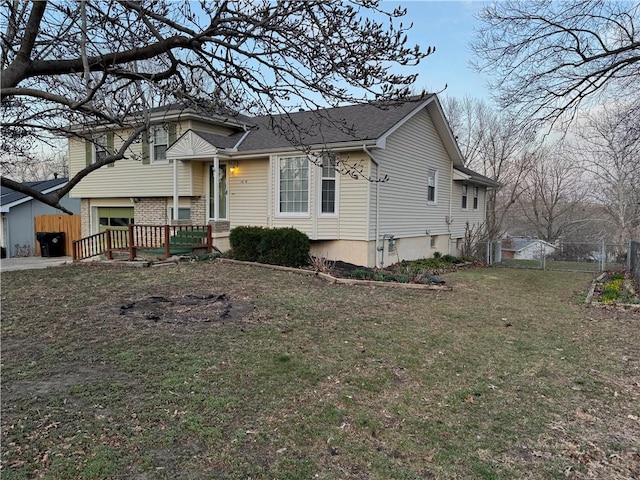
(51, 244)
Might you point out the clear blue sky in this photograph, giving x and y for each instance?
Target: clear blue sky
(449, 26)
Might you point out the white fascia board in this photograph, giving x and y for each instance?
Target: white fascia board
(458, 175)
(161, 117)
(279, 151)
(444, 131)
(382, 141)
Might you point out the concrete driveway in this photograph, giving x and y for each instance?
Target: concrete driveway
(31, 263)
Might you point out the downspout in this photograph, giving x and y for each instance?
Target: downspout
(450, 221)
(377, 229)
(216, 188)
(175, 190)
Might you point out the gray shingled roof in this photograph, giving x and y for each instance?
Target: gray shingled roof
(333, 125)
(11, 196)
(476, 177)
(352, 123)
(220, 141)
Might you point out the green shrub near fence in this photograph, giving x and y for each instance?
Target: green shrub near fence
(277, 246)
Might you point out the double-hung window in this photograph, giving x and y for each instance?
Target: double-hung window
(160, 142)
(475, 197)
(328, 200)
(100, 148)
(293, 185)
(432, 182)
(464, 195)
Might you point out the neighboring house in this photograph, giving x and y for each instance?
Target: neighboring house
(19, 210)
(237, 170)
(522, 248)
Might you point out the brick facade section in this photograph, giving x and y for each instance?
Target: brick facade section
(85, 217)
(199, 210)
(220, 226)
(150, 211)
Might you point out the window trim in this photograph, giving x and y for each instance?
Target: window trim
(336, 186)
(465, 196)
(278, 190)
(180, 209)
(435, 186)
(97, 139)
(152, 144)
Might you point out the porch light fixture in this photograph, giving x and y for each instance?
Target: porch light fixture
(233, 167)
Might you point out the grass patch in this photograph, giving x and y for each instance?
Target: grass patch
(507, 376)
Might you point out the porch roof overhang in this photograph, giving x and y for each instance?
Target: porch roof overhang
(197, 146)
(464, 174)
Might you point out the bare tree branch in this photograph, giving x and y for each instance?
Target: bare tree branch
(548, 59)
(90, 63)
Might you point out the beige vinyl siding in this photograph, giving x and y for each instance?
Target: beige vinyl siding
(461, 216)
(248, 193)
(411, 151)
(354, 205)
(129, 177)
(200, 178)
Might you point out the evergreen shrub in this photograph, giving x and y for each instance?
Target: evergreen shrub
(277, 246)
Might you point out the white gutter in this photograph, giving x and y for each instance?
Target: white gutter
(235, 147)
(280, 151)
(216, 188)
(450, 207)
(377, 230)
(175, 190)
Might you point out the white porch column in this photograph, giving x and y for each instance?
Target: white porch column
(175, 189)
(216, 188)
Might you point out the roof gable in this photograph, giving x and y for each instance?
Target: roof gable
(11, 198)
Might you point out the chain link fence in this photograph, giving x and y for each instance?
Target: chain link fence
(634, 260)
(566, 256)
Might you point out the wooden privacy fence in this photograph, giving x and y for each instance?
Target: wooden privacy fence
(69, 224)
(155, 240)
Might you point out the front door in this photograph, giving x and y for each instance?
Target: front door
(219, 204)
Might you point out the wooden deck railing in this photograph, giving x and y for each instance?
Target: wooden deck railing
(156, 239)
(103, 243)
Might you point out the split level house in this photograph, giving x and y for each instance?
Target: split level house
(406, 194)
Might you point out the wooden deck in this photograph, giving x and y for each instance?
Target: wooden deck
(162, 240)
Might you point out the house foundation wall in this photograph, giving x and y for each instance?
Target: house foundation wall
(412, 248)
(364, 252)
(221, 241)
(352, 251)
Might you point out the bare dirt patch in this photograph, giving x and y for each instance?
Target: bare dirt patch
(186, 309)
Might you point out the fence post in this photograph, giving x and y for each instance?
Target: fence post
(109, 245)
(209, 239)
(167, 247)
(603, 260)
(543, 257)
(629, 256)
(132, 248)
